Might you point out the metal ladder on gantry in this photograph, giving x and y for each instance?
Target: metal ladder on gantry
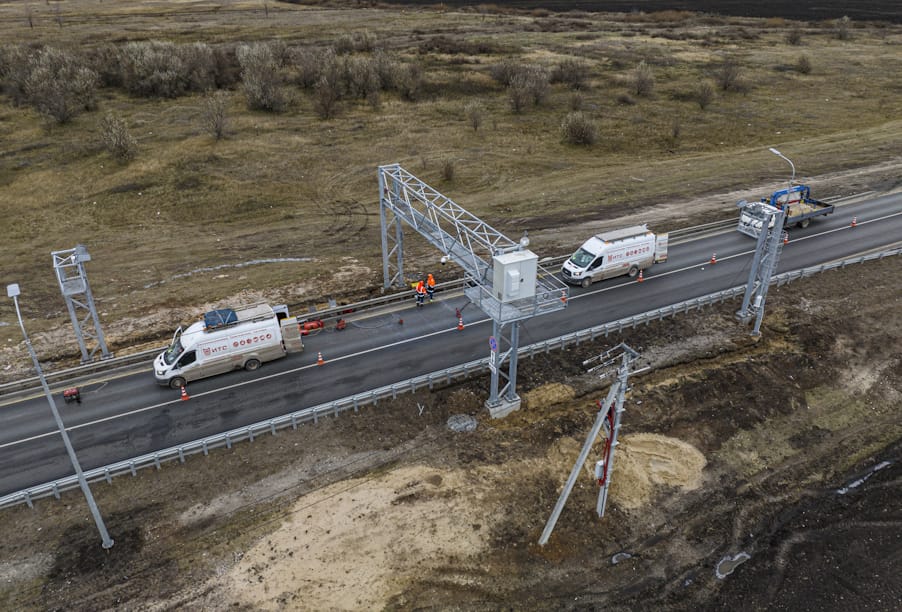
(503, 278)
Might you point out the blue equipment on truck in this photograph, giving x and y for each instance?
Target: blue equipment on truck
(800, 207)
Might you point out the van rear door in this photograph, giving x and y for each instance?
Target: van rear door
(661, 241)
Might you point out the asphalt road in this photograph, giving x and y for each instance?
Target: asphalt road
(129, 416)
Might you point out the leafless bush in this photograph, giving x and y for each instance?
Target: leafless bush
(260, 63)
(327, 91)
(505, 71)
(727, 74)
(214, 113)
(844, 28)
(475, 113)
(529, 85)
(643, 80)
(578, 129)
(625, 99)
(106, 61)
(704, 95)
(794, 37)
(152, 69)
(15, 62)
(803, 64)
(576, 101)
(672, 140)
(518, 94)
(198, 66)
(360, 77)
(356, 42)
(117, 139)
(306, 65)
(448, 170)
(409, 81)
(572, 72)
(60, 85)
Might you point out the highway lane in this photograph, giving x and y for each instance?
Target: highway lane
(129, 416)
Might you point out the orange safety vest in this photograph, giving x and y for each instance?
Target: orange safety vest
(430, 281)
(421, 288)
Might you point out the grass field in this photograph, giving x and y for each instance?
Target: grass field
(290, 185)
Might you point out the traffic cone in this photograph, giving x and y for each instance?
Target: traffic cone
(785, 237)
(564, 296)
(319, 358)
(713, 258)
(854, 221)
(460, 323)
(185, 396)
(641, 278)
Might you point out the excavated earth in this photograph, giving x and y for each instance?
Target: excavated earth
(750, 475)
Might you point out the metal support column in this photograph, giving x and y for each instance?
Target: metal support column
(73, 281)
(764, 263)
(503, 400)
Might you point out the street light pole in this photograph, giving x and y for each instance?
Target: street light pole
(13, 292)
(791, 165)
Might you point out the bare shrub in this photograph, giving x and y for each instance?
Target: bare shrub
(15, 62)
(306, 65)
(794, 37)
(576, 102)
(844, 28)
(106, 61)
(260, 63)
(704, 95)
(579, 129)
(116, 138)
(803, 64)
(529, 86)
(355, 42)
(60, 85)
(360, 77)
(475, 113)
(643, 80)
(152, 69)
(448, 170)
(214, 113)
(518, 93)
(409, 81)
(727, 74)
(625, 99)
(505, 71)
(672, 139)
(198, 66)
(327, 91)
(572, 72)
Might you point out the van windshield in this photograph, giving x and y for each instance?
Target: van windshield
(175, 349)
(582, 258)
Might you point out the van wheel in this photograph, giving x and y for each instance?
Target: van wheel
(586, 282)
(252, 364)
(804, 223)
(176, 383)
(634, 270)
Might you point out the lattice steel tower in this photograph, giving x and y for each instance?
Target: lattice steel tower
(70, 271)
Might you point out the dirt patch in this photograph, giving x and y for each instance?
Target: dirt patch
(645, 462)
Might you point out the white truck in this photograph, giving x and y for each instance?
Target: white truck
(614, 253)
(225, 340)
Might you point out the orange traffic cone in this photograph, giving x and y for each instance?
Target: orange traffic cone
(854, 221)
(713, 258)
(564, 296)
(319, 359)
(185, 396)
(460, 323)
(641, 278)
(785, 237)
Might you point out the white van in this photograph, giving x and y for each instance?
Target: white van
(624, 251)
(225, 340)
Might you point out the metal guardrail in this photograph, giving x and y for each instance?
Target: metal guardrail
(446, 376)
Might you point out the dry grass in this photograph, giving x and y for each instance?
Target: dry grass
(291, 185)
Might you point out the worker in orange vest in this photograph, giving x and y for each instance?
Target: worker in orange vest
(430, 287)
(421, 293)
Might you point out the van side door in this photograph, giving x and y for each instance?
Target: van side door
(187, 365)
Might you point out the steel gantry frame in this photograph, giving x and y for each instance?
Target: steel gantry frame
(69, 266)
(608, 418)
(767, 254)
(475, 246)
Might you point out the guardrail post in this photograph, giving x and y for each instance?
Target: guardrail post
(228, 440)
(335, 408)
(272, 427)
(206, 450)
(106, 475)
(28, 499)
(56, 491)
(250, 434)
(355, 406)
(131, 465)
(156, 462)
(294, 421)
(429, 380)
(181, 455)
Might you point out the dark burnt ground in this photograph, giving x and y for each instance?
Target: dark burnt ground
(804, 10)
